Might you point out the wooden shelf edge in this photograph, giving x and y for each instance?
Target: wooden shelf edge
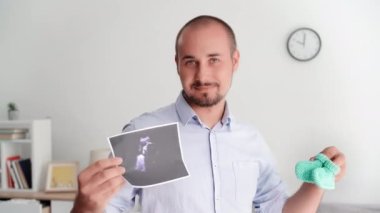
(64, 196)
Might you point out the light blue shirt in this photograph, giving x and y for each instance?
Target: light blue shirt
(231, 168)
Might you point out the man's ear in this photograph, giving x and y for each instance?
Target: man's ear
(235, 60)
(176, 62)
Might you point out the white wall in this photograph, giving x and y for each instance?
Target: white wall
(93, 65)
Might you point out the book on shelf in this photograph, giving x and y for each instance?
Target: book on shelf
(26, 169)
(19, 172)
(10, 173)
(13, 134)
(15, 176)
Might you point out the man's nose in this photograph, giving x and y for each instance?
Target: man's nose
(202, 72)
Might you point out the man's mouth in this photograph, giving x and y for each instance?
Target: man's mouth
(204, 86)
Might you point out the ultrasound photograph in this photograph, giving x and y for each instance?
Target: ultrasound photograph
(151, 156)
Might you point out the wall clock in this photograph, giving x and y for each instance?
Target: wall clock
(304, 44)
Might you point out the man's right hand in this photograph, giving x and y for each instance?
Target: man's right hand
(97, 185)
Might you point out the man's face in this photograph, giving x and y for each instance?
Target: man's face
(205, 64)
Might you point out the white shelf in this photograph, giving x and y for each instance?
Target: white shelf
(37, 147)
(16, 141)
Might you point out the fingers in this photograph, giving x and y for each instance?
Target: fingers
(330, 151)
(107, 175)
(334, 155)
(98, 183)
(100, 172)
(100, 165)
(112, 186)
(338, 158)
(98, 196)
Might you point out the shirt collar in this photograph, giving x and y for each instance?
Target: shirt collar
(184, 110)
(226, 119)
(186, 113)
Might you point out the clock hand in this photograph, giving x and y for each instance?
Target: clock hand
(304, 39)
(299, 42)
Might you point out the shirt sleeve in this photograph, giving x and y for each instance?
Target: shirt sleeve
(124, 200)
(271, 192)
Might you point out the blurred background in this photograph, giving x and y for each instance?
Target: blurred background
(93, 65)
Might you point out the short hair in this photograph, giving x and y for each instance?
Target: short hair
(206, 19)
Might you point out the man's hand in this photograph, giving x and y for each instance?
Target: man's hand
(97, 184)
(308, 197)
(338, 158)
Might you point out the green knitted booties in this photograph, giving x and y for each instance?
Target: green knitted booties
(304, 170)
(321, 171)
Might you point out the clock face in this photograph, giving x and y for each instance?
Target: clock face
(304, 44)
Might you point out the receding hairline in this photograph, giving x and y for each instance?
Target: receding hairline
(205, 20)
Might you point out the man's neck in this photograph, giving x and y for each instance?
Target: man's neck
(210, 116)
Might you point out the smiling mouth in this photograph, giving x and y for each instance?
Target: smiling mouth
(205, 86)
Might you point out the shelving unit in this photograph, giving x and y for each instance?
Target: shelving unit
(36, 146)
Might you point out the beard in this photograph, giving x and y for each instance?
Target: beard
(206, 100)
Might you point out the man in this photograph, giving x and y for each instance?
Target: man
(231, 167)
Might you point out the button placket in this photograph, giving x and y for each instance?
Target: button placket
(215, 169)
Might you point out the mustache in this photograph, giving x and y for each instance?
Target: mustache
(199, 84)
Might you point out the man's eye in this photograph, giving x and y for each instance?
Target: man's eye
(214, 60)
(190, 63)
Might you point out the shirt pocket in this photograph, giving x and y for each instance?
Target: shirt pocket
(246, 176)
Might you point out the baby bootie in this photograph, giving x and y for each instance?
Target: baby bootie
(323, 178)
(304, 170)
(321, 171)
